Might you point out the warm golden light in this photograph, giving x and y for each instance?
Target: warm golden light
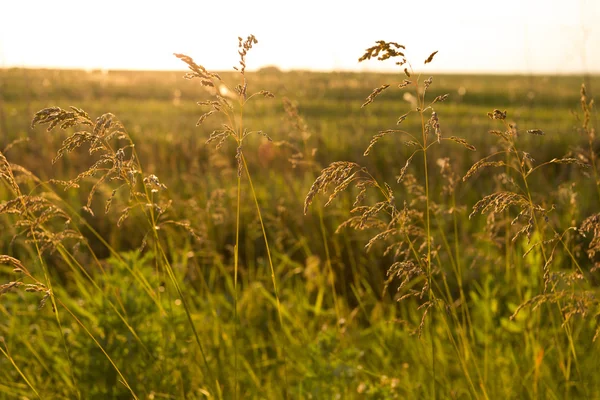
(548, 36)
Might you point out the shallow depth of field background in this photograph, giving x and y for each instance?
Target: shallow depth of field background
(340, 331)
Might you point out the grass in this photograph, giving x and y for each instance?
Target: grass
(461, 265)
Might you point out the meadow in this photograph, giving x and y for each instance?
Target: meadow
(456, 259)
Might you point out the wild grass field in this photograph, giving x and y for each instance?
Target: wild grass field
(456, 259)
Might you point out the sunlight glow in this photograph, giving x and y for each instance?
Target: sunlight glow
(525, 36)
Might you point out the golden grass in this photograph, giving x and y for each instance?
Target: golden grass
(441, 259)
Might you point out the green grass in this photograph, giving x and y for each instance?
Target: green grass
(337, 333)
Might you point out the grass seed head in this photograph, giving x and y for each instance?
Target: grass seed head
(383, 50)
(430, 58)
(497, 114)
(376, 92)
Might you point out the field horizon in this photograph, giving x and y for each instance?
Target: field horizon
(273, 68)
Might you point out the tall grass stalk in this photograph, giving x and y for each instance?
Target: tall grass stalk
(237, 130)
(409, 262)
(432, 299)
(104, 129)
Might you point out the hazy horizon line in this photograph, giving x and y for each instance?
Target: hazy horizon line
(385, 71)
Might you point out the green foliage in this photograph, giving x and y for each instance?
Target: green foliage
(167, 306)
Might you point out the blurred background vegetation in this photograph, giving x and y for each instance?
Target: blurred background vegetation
(352, 342)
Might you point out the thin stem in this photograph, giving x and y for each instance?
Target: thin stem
(428, 233)
(329, 266)
(171, 273)
(123, 380)
(275, 289)
(236, 255)
(235, 281)
(12, 361)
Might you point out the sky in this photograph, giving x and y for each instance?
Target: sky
(510, 36)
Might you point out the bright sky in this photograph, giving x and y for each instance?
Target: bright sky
(527, 36)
